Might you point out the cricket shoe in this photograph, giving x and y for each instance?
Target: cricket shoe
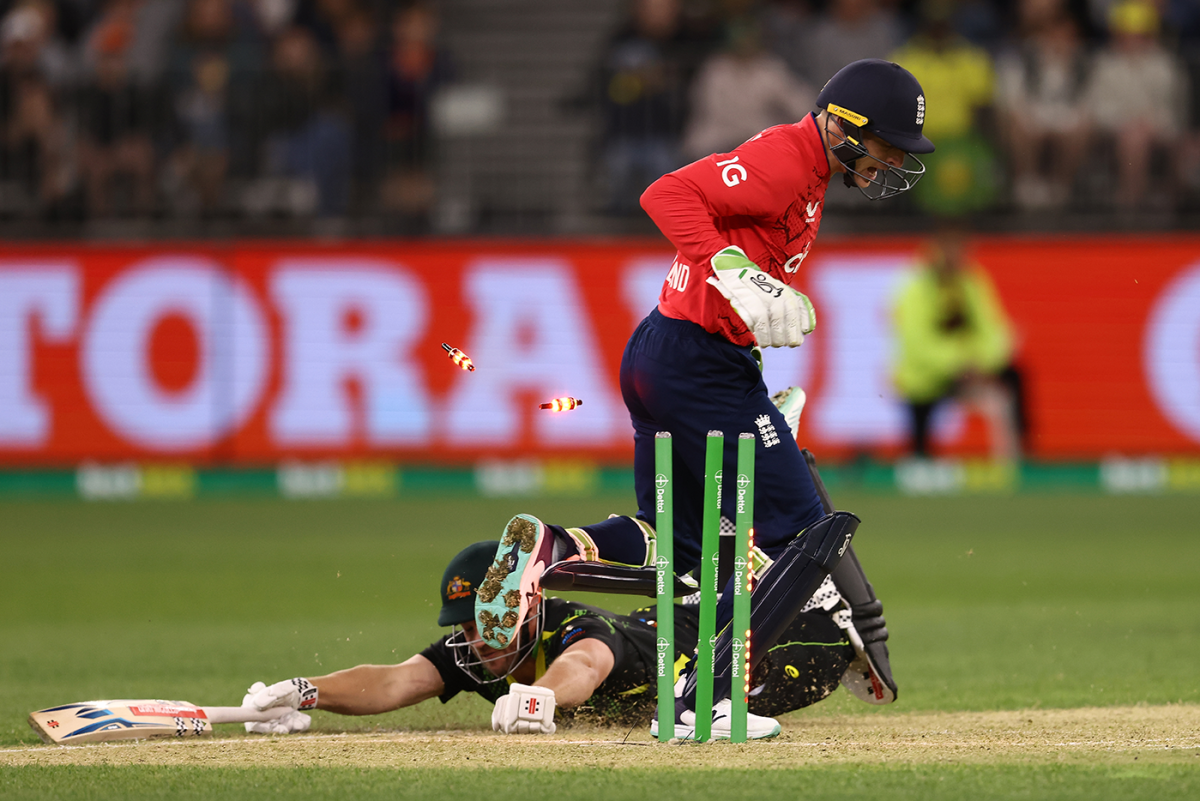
(790, 402)
(511, 585)
(868, 676)
(757, 726)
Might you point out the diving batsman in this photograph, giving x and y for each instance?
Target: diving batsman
(567, 658)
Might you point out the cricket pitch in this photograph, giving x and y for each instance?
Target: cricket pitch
(1096, 735)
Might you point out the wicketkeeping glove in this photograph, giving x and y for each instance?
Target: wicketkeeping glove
(296, 693)
(525, 710)
(777, 314)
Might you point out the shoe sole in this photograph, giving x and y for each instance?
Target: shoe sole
(502, 601)
(689, 733)
(790, 403)
(863, 681)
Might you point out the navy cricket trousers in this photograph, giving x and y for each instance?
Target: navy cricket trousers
(677, 377)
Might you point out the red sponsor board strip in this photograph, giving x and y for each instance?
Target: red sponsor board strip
(1081, 307)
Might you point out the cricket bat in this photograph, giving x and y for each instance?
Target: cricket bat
(107, 721)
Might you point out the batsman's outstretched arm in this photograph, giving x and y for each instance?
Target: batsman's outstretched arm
(372, 689)
(362, 690)
(578, 671)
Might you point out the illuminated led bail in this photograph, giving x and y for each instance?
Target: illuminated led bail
(561, 404)
(749, 588)
(459, 358)
(746, 670)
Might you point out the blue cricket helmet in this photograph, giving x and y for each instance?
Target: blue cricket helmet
(885, 100)
(881, 97)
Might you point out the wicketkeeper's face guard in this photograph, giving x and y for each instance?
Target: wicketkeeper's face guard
(486, 665)
(885, 171)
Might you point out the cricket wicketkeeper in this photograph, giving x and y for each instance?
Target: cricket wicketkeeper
(742, 223)
(567, 656)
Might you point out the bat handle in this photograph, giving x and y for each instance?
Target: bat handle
(243, 714)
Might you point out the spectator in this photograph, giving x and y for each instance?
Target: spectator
(272, 16)
(741, 91)
(33, 157)
(645, 76)
(362, 70)
(1183, 19)
(35, 172)
(850, 30)
(786, 25)
(1137, 98)
(958, 80)
(1043, 114)
(214, 61)
(417, 66)
(202, 160)
(955, 343)
(980, 22)
(324, 19)
(71, 20)
(307, 139)
(32, 26)
(154, 25)
(118, 121)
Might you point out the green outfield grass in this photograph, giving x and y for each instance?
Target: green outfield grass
(993, 603)
(1071, 783)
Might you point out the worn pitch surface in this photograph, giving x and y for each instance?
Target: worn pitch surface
(1150, 734)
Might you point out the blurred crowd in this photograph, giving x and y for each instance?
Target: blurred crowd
(1035, 105)
(205, 108)
(202, 109)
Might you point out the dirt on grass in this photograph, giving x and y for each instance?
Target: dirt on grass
(1098, 735)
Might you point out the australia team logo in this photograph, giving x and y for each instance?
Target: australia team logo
(458, 588)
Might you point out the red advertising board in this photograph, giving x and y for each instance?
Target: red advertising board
(249, 353)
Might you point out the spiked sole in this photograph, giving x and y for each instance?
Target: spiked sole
(502, 601)
(790, 403)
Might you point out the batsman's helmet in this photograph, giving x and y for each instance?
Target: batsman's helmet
(463, 575)
(883, 99)
(466, 571)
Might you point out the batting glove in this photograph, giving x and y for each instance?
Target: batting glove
(525, 710)
(777, 314)
(291, 723)
(296, 693)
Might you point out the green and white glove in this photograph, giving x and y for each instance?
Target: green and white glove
(525, 710)
(777, 314)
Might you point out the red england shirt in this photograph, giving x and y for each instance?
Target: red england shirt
(765, 197)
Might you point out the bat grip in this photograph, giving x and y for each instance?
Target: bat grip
(243, 714)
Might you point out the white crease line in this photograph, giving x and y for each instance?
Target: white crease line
(420, 738)
(196, 742)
